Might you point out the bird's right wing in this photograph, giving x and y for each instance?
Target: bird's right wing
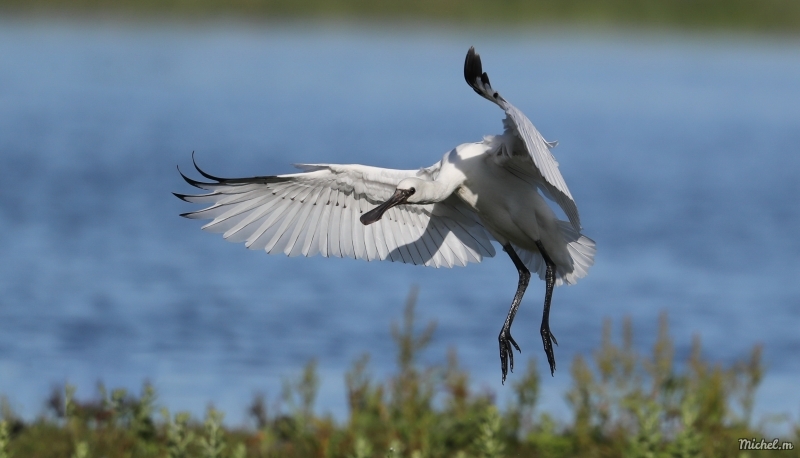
(317, 212)
(538, 149)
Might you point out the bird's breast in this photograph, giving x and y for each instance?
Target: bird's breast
(468, 196)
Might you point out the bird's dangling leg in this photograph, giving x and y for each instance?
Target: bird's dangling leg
(506, 341)
(548, 339)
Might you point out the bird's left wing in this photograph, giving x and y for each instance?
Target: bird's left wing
(537, 147)
(317, 212)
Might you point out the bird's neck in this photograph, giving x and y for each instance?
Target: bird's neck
(441, 188)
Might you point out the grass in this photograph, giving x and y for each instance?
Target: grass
(624, 404)
(761, 15)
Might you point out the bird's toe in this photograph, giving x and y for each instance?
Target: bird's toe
(548, 339)
(507, 345)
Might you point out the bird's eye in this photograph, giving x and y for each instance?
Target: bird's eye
(413, 190)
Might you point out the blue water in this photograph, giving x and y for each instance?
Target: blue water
(681, 151)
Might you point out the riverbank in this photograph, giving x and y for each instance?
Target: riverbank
(624, 403)
(771, 16)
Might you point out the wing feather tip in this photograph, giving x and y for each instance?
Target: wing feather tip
(473, 69)
(193, 182)
(206, 174)
(183, 197)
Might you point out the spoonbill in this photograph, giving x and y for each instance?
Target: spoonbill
(444, 215)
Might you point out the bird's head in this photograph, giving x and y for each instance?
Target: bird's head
(403, 194)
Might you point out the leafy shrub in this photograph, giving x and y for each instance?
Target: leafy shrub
(624, 404)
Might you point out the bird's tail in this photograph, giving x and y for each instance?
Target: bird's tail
(581, 251)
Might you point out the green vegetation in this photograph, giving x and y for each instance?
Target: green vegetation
(624, 404)
(765, 15)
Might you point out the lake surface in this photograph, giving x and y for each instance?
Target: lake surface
(681, 152)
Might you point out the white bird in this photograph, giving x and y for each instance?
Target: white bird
(441, 216)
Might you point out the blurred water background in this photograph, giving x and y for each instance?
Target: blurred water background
(681, 150)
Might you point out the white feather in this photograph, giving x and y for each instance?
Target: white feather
(297, 214)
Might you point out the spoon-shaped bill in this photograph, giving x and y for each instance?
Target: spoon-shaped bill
(399, 197)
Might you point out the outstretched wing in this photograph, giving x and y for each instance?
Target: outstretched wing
(317, 212)
(537, 147)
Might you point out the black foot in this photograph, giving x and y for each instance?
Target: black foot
(506, 352)
(548, 339)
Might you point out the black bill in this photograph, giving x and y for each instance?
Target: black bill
(399, 197)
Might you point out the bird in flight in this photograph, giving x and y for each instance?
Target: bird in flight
(444, 215)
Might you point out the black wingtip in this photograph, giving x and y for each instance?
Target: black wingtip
(217, 181)
(195, 183)
(473, 69)
(207, 175)
(182, 197)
